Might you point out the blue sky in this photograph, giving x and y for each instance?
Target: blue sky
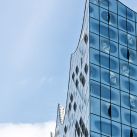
(36, 40)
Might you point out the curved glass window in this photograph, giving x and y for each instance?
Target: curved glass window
(105, 77)
(94, 11)
(125, 102)
(124, 83)
(95, 89)
(130, 14)
(104, 3)
(108, 47)
(94, 26)
(115, 96)
(94, 40)
(113, 6)
(108, 17)
(106, 127)
(94, 72)
(133, 71)
(104, 60)
(95, 123)
(134, 119)
(131, 27)
(114, 64)
(133, 87)
(105, 92)
(95, 106)
(94, 56)
(131, 41)
(113, 34)
(124, 68)
(125, 116)
(121, 9)
(104, 29)
(123, 38)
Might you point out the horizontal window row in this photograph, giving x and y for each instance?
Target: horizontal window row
(110, 128)
(110, 47)
(108, 31)
(113, 79)
(113, 112)
(114, 96)
(115, 7)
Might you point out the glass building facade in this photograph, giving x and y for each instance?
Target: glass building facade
(103, 74)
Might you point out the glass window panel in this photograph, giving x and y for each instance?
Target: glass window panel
(115, 96)
(125, 131)
(106, 127)
(105, 45)
(114, 64)
(125, 100)
(94, 72)
(94, 56)
(121, 9)
(124, 83)
(116, 130)
(108, 47)
(95, 106)
(124, 68)
(123, 38)
(122, 23)
(104, 60)
(133, 71)
(94, 1)
(131, 27)
(113, 5)
(114, 79)
(104, 29)
(94, 26)
(105, 92)
(105, 77)
(95, 89)
(133, 102)
(104, 3)
(133, 87)
(94, 40)
(95, 123)
(113, 34)
(94, 11)
(131, 41)
(130, 14)
(125, 114)
(134, 119)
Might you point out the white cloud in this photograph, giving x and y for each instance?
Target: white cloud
(27, 130)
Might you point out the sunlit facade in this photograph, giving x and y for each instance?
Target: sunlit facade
(102, 90)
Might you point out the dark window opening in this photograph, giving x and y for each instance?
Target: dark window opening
(77, 70)
(75, 106)
(86, 132)
(109, 111)
(73, 76)
(77, 83)
(108, 17)
(71, 98)
(65, 129)
(86, 38)
(69, 106)
(86, 68)
(128, 54)
(82, 79)
(131, 133)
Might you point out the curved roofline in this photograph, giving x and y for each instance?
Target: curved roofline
(71, 61)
